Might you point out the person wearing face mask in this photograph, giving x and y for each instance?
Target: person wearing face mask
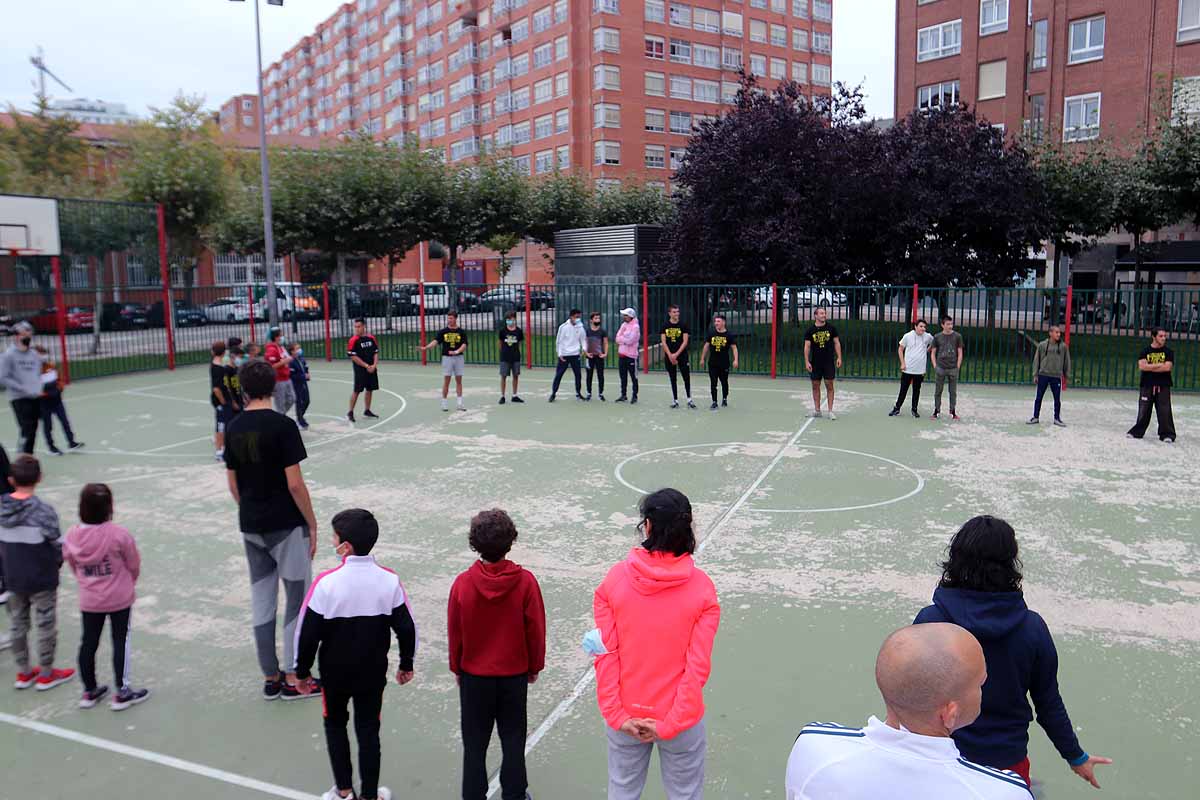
(570, 343)
(299, 375)
(511, 337)
(21, 375)
(597, 353)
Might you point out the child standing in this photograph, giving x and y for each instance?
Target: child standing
(346, 623)
(31, 543)
(511, 337)
(106, 563)
(300, 378)
(52, 404)
(497, 632)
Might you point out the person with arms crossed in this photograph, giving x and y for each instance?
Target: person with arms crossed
(914, 361)
(822, 358)
(1051, 367)
(597, 353)
(717, 347)
(453, 341)
(511, 337)
(947, 361)
(569, 344)
(930, 677)
(674, 340)
(363, 350)
(263, 451)
(1154, 396)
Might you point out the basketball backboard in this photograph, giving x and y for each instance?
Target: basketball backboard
(29, 225)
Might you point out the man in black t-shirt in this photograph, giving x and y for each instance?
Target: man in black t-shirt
(718, 346)
(1154, 394)
(597, 353)
(363, 350)
(263, 451)
(674, 340)
(453, 341)
(822, 358)
(511, 337)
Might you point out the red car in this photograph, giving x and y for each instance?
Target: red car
(79, 318)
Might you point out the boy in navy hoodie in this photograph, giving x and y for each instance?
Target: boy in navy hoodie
(980, 590)
(347, 623)
(299, 376)
(497, 632)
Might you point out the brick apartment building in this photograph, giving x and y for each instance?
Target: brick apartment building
(239, 114)
(608, 88)
(1058, 70)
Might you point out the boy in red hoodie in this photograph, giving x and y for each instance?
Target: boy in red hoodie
(106, 563)
(497, 630)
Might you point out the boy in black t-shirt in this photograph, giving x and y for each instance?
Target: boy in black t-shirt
(511, 338)
(219, 397)
(674, 339)
(1154, 395)
(718, 346)
(597, 353)
(453, 341)
(822, 358)
(363, 350)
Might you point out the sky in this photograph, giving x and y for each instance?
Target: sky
(142, 53)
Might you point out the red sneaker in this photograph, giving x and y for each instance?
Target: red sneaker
(27, 679)
(54, 678)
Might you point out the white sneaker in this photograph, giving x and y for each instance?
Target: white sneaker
(445, 405)
(332, 794)
(383, 793)
(816, 414)
(219, 455)
(832, 415)
(3, 597)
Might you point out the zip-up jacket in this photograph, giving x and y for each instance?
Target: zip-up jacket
(496, 621)
(629, 338)
(1052, 360)
(21, 373)
(31, 543)
(571, 340)
(347, 622)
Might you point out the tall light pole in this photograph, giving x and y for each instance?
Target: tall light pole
(265, 168)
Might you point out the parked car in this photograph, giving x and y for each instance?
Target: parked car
(507, 297)
(468, 303)
(123, 316)
(228, 309)
(375, 303)
(355, 302)
(79, 319)
(184, 315)
(805, 297)
(292, 299)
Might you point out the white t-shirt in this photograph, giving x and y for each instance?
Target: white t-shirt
(916, 352)
(879, 761)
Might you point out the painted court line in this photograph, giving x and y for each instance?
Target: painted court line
(231, 778)
(585, 680)
(136, 393)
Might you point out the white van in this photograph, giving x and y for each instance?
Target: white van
(437, 296)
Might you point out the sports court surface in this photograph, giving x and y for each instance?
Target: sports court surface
(821, 537)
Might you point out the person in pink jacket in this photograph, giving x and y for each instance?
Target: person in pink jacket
(656, 617)
(629, 336)
(106, 563)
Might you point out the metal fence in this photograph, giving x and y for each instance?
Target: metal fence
(1106, 329)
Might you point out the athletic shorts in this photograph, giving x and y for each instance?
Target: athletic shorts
(365, 381)
(823, 372)
(222, 415)
(510, 368)
(453, 366)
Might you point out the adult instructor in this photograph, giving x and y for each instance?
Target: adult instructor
(21, 375)
(363, 350)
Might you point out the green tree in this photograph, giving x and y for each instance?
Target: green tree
(41, 154)
(631, 203)
(560, 201)
(1142, 204)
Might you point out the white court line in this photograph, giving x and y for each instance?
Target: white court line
(585, 680)
(77, 398)
(136, 393)
(176, 444)
(241, 781)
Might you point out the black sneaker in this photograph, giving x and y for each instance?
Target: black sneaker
(714, 406)
(350, 416)
(272, 689)
(551, 399)
(290, 692)
(90, 698)
(633, 402)
(502, 401)
(75, 445)
(588, 398)
(691, 403)
(578, 396)
(895, 412)
(1060, 423)
(724, 402)
(369, 414)
(916, 414)
(1033, 421)
(517, 399)
(55, 451)
(128, 697)
(303, 425)
(674, 404)
(602, 400)
(621, 399)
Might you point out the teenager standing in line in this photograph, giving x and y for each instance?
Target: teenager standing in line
(1051, 367)
(453, 341)
(1155, 363)
(914, 361)
(597, 353)
(511, 337)
(569, 344)
(822, 358)
(363, 350)
(674, 339)
(717, 348)
(947, 361)
(629, 337)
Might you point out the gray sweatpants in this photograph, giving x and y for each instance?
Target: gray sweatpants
(44, 609)
(681, 760)
(284, 396)
(945, 376)
(272, 557)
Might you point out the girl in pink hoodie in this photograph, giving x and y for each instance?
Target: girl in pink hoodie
(656, 617)
(106, 563)
(628, 337)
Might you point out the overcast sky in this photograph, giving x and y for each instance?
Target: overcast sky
(141, 52)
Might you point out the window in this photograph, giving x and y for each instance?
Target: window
(604, 184)
(521, 165)
(778, 36)
(560, 48)
(758, 64)
(564, 156)
(656, 120)
(656, 84)
(656, 156)
(606, 115)
(800, 9)
(1081, 117)
(823, 10)
(1087, 40)
(681, 15)
(681, 87)
(605, 76)
(562, 83)
(707, 91)
(543, 18)
(560, 12)
(1035, 126)
(1189, 20)
(543, 91)
(706, 19)
(248, 105)
(758, 4)
(729, 92)
(799, 39)
(731, 23)
(821, 74)
(608, 153)
(778, 69)
(758, 31)
(822, 42)
(677, 154)
(1041, 41)
(993, 16)
(606, 40)
(731, 58)
(992, 80)
(704, 55)
(544, 161)
(681, 51)
(1185, 100)
(938, 95)
(779, 6)
(681, 122)
(656, 48)
(562, 120)
(605, 7)
(655, 11)
(520, 135)
(520, 30)
(939, 41)
(543, 55)
(799, 72)
(247, 120)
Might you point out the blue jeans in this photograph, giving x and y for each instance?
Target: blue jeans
(1055, 385)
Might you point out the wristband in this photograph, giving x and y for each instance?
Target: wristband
(1076, 762)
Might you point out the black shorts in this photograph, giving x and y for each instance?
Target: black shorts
(823, 372)
(365, 381)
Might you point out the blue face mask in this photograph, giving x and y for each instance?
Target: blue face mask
(242, 360)
(299, 352)
(512, 323)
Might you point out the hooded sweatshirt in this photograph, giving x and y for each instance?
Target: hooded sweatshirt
(629, 336)
(1052, 359)
(658, 616)
(21, 373)
(571, 339)
(106, 563)
(31, 544)
(1021, 660)
(497, 621)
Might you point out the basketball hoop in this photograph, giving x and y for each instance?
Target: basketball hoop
(17, 252)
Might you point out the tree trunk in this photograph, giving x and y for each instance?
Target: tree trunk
(98, 318)
(1137, 281)
(1054, 283)
(387, 314)
(452, 260)
(116, 281)
(341, 293)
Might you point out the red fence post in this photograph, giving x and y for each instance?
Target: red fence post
(424, 352)
(645, 328)
(774, 326)
(165, 272)
(528, 328)
(1067, 324)
(250, 305)
(328, 329)
(916, 302)
(60, 318)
